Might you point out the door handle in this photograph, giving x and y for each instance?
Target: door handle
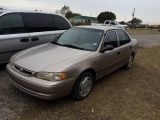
(118, 53)
(34, 39)
(24, 40)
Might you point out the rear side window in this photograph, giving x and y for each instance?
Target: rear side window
(111, 39)
(61, 23)
(11, 24)
(123, 37)
(38, 22)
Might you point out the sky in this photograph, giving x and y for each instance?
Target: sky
(146, 10)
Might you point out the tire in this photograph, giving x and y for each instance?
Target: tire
(129, 63)
(82, 86)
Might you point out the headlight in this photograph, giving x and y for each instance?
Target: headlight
(11, 61)
(51, 76)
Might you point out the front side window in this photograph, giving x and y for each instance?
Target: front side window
(111, 39)
(123, 37)
(11, 24)
(80, 38)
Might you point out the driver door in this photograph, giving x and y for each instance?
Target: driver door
(109, 59)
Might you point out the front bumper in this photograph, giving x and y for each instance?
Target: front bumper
(40, 88)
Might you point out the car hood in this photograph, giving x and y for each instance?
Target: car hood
(48, 55)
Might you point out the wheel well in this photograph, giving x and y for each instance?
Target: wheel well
(92, 71)
(133, 54)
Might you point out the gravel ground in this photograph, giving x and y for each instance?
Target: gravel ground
(122, 95)
(147, 40)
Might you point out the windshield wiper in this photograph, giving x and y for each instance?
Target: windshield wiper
(72, 46)
(67, 45)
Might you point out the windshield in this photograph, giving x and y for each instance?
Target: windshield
(80, 38)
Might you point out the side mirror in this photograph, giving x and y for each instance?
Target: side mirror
(107, 48)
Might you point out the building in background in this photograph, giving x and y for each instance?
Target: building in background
(83, 19)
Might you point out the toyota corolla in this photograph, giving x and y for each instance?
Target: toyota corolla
(72, 62)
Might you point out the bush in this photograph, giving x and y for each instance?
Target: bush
(79, 23)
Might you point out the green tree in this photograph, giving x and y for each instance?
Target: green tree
(67, 12)
(106, 16)
(70, 14)
(64, 10)
(135, 21)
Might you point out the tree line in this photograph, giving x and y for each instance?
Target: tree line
(106, 15)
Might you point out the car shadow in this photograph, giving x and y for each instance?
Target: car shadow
(3, 66)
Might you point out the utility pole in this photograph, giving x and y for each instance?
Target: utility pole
(133, 12)
(124, 19)
(133, 16)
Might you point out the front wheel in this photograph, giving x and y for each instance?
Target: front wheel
(82, 87)
(129, 63)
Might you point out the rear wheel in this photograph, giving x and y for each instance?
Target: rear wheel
(83, 86)
(129, 63)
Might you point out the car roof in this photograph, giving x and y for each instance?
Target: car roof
(99, 27)
(27, 11)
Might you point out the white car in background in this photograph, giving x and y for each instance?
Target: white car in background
(116, 24)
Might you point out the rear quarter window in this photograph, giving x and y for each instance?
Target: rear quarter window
(61, 23)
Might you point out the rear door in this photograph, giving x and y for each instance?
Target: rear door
(124, 45)
(13, 35)
(41, 28)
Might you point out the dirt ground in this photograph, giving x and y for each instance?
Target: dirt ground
(123, 95)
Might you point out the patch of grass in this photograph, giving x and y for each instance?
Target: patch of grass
(143, 31)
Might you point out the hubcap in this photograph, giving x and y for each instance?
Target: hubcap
(130, 61)
(85, 86)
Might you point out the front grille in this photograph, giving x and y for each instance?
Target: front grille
(23, 70)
